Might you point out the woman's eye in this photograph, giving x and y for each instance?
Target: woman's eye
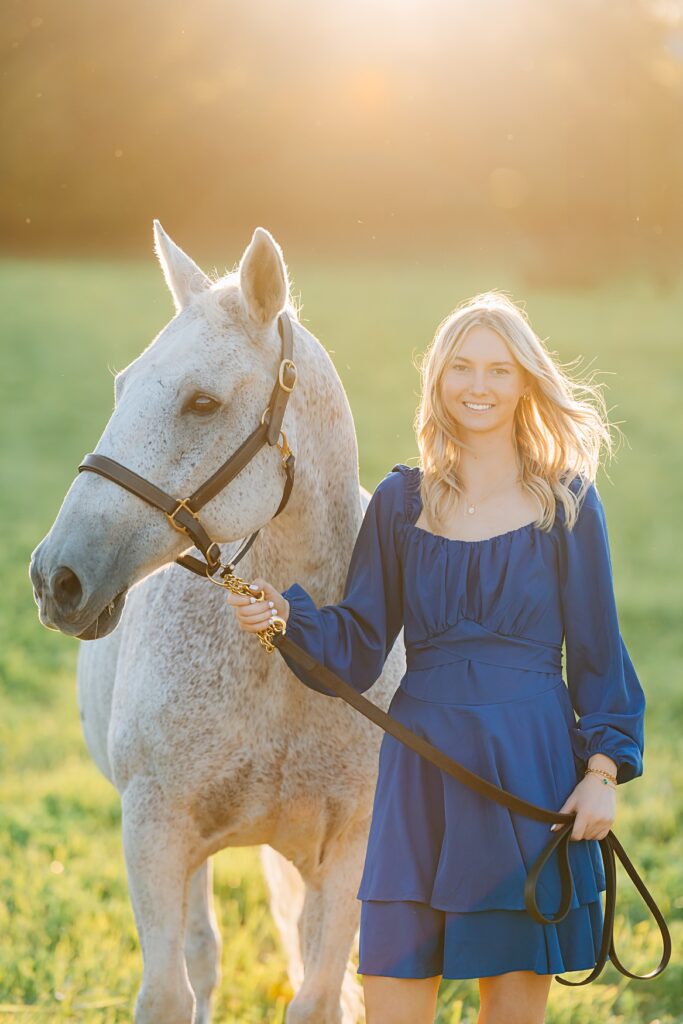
(461, 366)
(201, 404)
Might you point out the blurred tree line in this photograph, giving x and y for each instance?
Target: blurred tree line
(552, 131)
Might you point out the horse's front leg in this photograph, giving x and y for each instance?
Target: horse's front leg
(155, 845)
(330, 993)
(202, 941)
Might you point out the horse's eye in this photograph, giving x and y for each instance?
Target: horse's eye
(201, 404)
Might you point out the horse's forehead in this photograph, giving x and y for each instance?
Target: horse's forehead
(199, 337)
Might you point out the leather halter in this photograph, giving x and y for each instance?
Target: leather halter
(182, 512)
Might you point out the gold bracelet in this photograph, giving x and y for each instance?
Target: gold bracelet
(610, 780)
(601, 771)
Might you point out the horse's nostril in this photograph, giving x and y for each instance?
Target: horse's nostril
(66, 589)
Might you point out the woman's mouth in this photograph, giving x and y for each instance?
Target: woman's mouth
(478, 406)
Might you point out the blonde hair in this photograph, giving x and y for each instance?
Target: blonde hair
(559, 432)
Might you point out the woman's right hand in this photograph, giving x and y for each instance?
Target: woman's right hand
(254, 616)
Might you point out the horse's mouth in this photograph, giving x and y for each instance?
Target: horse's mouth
(107, 620)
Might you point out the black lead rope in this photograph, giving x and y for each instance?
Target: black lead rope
(559, 841)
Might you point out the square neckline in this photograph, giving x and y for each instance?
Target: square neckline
(411, 520)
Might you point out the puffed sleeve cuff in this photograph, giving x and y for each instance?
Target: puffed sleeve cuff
(302, 612)
(606, 740)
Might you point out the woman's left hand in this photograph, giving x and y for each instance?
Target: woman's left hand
(595, 805)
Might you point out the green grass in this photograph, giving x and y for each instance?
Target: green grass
(68, 948)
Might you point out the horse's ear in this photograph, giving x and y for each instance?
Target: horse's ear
(263, 277)
(182, 275)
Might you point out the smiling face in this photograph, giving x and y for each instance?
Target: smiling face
(482, 382)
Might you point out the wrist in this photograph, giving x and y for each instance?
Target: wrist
(599, 779)
(603, 763)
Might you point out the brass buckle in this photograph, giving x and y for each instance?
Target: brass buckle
(182, 503)
(280, 374)
(285, 450)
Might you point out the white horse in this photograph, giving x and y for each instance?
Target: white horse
(210, 741)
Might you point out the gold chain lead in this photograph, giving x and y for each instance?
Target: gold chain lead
(236, 585)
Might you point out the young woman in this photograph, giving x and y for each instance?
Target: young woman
(490, 553)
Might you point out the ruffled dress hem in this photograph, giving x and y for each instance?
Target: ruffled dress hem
(410, 940)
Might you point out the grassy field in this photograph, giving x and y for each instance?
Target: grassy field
(68, 948)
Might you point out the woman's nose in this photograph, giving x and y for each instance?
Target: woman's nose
(479, 385)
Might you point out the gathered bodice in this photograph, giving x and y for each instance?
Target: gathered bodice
(507, 584)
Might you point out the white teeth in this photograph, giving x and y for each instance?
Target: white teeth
(472, 405)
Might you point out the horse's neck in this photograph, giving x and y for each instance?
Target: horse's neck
(311, 541)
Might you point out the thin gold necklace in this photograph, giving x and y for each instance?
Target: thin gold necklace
(472, 508)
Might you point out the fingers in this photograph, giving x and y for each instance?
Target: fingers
(257, 585)
(596, 828)
(254, 618)
(579, 827)
(585, 826)
(567, 807)
(254, 613)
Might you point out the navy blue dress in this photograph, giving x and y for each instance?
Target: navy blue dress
(484, 622)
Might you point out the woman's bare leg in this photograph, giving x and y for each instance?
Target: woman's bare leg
(400, 1000)
(517, 997)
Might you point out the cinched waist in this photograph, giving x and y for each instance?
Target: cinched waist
(468, 639)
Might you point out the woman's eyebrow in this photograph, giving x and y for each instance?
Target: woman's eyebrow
(499, 362)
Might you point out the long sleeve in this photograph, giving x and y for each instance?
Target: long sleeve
(604, 688)
(354, 637)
